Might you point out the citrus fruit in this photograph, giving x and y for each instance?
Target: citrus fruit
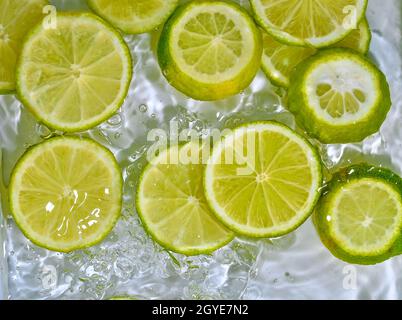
(172, 205)
(359, 217)
(75, 76)
(66, 193)
(136, 16)
(279, 60)
(339, 96)
(263, 180)
(309, 23)
(16, 19)
(210, 50)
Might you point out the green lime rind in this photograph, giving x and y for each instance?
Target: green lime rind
(154, 236)
(134, 29)
(339, 179)
(189, 85)
(328, 132)
(23, 96)
(285, 38)
(308, 213)
(26, 157)
(7, 91)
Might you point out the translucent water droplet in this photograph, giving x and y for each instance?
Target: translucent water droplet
(43, 131)
(115, 120)
(143, 108)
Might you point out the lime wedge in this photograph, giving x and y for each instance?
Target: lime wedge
(12, 30)
(75, 76)
(269, 183)
(134, 17)
(66, 193)
(359, 218)
(210, 50)
(309, 23)
(279, 60)
(339, 96)
(172, 205)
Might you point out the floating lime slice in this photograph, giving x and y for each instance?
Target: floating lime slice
(66, 193)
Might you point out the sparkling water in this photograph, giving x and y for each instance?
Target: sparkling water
(128, 262)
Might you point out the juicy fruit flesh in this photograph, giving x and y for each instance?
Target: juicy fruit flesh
(308, 21)
(341, 90)
(65, 196)
(278, 189)
(74, 73)
(366, 217)
(173, 206)
(11, 34)
(211, 42)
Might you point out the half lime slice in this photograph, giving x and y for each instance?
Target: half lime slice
(359, 217)
(210, 50)
(134, 17)
(16, 19)
(263, 180)
(172, 205)
(309, 23)
(66, 193)
(75, 76)
(339, 96)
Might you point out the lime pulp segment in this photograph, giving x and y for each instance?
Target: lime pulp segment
(75, 76)
(12, 32)
(309, 23)
(66, 193)
(210, 50)
(134, 17)
(172, 205)
(339, 96)
(270, 186)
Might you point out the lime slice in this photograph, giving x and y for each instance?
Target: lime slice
(134, 16)
(359, 218)
(172, 205)
(309, 23)
(66, 193)
(339, 96)
(263, 180)
(75, 76)
(279, 60)
(11, 33)
(210, 50)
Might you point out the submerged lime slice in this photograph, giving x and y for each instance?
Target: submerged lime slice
(16, 19)
(279, 60)
(263, 180)
(66, 193)
(210, 50)
(134, 16)
(309, 23)
(359, 218)
(75, 76)
(172, 205)
(339, 96)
